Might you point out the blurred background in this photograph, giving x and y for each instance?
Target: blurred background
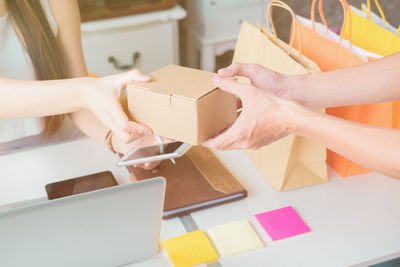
(333, 12)
(147, 34)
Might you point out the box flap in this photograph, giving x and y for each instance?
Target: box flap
(179, 81)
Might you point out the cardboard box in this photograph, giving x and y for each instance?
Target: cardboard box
(182, 104)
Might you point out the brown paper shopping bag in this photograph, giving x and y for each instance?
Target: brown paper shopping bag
(293, 161)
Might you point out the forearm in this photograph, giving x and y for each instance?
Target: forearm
(375, 148)
(89, 125)
(94, 129)
(378, 81)
(46, 98)
(40, 98)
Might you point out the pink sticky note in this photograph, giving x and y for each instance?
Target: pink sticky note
(282, 223)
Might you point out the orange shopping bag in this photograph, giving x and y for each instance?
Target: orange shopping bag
(330, 55)
(377, 37)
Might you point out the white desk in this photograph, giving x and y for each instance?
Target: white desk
(352, 220)
(23, 176)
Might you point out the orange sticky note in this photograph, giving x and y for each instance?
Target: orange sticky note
(190, 249)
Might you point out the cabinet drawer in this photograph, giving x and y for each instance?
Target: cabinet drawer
(154, 43)
(229, 20)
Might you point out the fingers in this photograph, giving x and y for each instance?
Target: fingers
(231, 86)
(136, 130)
(240, 69)
(123, 79)
(147, 165)
(138, 76)
(151, 165)
(232, 137)
(121, 120)
(105, 105)
(227, 140)
(145, 141)
(221, 142)
(109, 122)
(125, 129)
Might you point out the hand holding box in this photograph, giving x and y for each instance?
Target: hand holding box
(182, 104)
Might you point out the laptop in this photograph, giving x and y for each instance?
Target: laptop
(108, 227)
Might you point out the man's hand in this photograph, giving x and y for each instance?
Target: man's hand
(260, 77)
(264, 119)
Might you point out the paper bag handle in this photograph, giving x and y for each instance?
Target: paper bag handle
(380, 12)
(346, 15)
(278, 3)
(379, 9)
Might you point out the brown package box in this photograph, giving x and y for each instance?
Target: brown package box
(182, 104)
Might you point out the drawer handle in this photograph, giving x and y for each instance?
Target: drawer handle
(135, 59)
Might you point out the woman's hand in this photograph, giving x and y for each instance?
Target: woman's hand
(264, 119)
(102, 100)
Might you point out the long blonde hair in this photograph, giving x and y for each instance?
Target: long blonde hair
(34, 32)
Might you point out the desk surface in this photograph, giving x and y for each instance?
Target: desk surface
(352, 220)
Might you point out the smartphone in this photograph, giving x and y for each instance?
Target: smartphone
(152, 153)
(80, 185)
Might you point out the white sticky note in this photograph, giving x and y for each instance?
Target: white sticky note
(234, 238)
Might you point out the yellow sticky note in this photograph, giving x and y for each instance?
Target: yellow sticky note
(190, 249)
(234, 238)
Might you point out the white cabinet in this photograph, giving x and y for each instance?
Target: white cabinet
(212, 27)
(146, 41)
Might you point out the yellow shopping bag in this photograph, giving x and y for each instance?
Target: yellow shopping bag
(377, 19)
(370, 36)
